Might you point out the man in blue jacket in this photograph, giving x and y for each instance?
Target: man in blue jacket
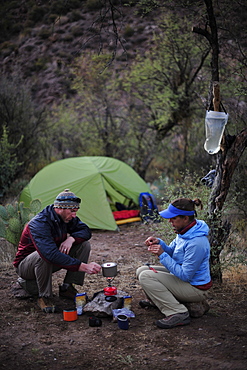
(54, 239)
(185, 272)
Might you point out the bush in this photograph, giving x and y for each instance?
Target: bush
(60, 7)
(129, 31)
(50, 18)
(44, 33)
(67, 37)
(36, 13)
(39, 64)
(93, 4)
(8, 45)
(77, 31)
(188, 187)
(8, 163)
(25, 122)
(14, 217)
(75, 15)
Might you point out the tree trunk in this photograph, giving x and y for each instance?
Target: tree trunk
(226, 160)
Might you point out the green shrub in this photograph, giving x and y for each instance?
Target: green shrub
(188, 187)
(29, 24)
(36, 13)
(67, 37)
(93, 4)
(75, 15)
(77, 31)
(29, 47)
(73, 4)
(26, 32)
(129, 31)
(62, 7)
(17, 27)
(14, 217)
(8, 45)
(8, 162)
(50, 18)
(44, 33)
(39, 64)
(16, 187)
(25, 122)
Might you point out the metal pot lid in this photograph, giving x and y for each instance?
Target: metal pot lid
(109, 264)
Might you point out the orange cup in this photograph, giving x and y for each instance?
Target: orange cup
(69, 315)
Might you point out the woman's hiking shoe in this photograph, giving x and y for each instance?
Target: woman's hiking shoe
(46, 306)
(67, 291)
(171, 321)
(146, 304)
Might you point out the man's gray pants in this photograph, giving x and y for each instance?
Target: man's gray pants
(34, 269)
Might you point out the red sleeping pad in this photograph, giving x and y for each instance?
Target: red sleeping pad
(121, 215)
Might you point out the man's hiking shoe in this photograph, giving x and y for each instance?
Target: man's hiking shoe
(171, 321)
(67, 291)
(46, 306)
(146, 304)
(30, 286)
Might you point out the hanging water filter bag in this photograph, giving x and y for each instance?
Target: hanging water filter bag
(215, 123)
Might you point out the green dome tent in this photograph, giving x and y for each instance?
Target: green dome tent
(96, 180)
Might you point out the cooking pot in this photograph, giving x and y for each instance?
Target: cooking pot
(109, 269)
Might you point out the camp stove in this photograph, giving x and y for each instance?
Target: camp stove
(109, 271)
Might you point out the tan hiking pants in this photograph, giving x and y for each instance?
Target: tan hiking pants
(167, 291)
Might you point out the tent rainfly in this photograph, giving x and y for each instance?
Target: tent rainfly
(98, 181)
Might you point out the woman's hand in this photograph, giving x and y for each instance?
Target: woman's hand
(151, 240)
(155, 249)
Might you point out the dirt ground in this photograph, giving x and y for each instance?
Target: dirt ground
(30, 339)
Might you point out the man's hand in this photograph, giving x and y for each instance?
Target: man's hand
(90, 268)
(66, 245)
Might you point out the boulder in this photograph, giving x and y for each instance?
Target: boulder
(7, 251)
(197, 309)
(100, 307)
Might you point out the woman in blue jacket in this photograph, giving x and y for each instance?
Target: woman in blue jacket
(185, 272)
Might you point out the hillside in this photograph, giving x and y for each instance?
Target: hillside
(40, 40)
(45, 44)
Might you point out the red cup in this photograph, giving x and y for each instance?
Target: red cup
(70, 315)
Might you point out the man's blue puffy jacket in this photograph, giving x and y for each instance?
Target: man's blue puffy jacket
(45, 232)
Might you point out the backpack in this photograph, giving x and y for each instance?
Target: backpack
(148, 208)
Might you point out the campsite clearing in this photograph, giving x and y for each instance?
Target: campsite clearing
(30, 339)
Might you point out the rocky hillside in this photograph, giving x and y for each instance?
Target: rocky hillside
(42, 51)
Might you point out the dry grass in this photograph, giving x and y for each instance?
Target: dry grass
(235, 277)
